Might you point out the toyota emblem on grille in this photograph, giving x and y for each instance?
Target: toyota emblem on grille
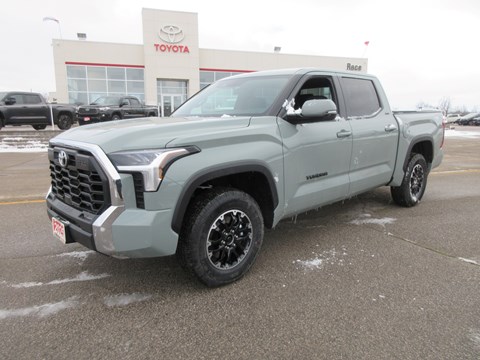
(63, 158)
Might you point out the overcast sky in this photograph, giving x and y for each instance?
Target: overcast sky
(422, 50)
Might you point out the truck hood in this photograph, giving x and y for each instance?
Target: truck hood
(149, 133)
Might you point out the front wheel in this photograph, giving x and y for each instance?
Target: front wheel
(221, 236)
(64, 122)
(411, 191)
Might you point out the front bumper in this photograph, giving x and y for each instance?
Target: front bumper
(122, 229)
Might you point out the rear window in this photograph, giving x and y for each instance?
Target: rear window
(361, 97)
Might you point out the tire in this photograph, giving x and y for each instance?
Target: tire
(221, 236)
(116, 117)
(39, 127)
(64, 121)
(414, 183)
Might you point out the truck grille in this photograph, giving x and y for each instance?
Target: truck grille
(78, 180)
(87, 111)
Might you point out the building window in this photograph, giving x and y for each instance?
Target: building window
(209, 76)
(86, 83)
(171, 94)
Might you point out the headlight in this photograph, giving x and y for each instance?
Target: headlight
(152, 163)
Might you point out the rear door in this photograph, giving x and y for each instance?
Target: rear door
(317, 154)
(375, 134)
(38, 111)
(136, 108)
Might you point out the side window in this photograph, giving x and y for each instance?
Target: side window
(315, 88)
(134, 102)
(127, 101)
(360, 97)
(18, 99)
(32, 99)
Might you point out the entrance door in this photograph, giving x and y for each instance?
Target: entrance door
(170, 95)
(170, 103)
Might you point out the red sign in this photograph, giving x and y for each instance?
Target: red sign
(169, 48)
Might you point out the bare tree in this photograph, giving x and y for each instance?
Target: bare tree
(445, 105)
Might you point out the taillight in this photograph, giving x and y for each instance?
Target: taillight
(444, 123)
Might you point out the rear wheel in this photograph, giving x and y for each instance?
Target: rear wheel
(221, 236)
(39, 127)
(64, 121)
(414, 183)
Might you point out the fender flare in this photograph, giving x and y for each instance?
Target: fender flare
(212, 173)
(414, 142)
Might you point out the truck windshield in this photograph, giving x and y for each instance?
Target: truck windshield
(235, 96)
(107, 100)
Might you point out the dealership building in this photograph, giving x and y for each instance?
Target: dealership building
(168, 67)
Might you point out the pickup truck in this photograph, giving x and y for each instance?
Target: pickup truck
(239, 156)
(27, 108)
(112, 107)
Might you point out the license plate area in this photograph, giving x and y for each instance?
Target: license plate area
(59, 228)
(86, 118)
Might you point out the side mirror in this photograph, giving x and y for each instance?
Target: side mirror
(10, 101)
(313, 111)
(124, 103)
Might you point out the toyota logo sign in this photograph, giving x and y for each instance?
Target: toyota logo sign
(63, 158)
(171, 34)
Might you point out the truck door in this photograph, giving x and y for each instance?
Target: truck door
(317, 154)
(375, 134)
(135, 109)
(37, 109)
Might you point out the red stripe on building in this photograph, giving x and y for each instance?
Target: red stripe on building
(99, 64)
(227, 70)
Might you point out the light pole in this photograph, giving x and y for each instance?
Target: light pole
(49, 18)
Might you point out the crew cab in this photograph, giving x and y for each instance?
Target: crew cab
(241, 155)
(113, 107)
(28, 108)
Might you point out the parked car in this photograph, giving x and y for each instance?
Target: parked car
(241, 155)
(28, 108)
(476, 121)
(112, 107)
(452, 118)
(467, 119)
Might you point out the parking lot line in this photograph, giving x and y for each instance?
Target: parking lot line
(21, 202)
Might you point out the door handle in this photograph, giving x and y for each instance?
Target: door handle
(343, 134)
(390, 128)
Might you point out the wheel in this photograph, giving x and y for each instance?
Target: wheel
(64, 122)
(221, 236)
(411, 191)
(39, 127)
(116, 117)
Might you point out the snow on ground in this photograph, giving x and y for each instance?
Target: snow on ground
(83, 276)
(125, 299)
(454, 133)
(40, 310)
(367, 219)
(329, 257)
(81, 255)
(21, 144)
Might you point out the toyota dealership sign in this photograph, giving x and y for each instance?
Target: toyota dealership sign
(171, 36)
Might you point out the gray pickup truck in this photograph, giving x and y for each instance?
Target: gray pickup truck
(241, 155)
(27, 108)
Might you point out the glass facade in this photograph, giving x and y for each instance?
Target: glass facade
(209, 76)
(88, 82)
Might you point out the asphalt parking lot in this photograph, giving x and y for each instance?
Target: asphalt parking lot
(361, 279)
